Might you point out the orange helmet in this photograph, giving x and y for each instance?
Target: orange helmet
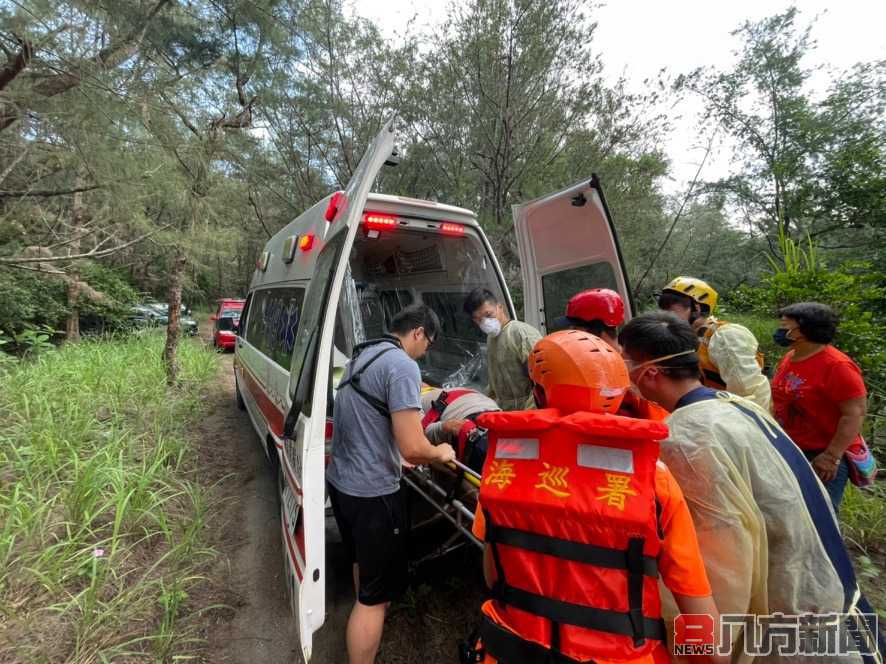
(578, 372)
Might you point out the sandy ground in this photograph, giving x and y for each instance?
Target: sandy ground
(255, 624)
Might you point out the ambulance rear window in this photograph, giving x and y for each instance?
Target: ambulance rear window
(393, 269)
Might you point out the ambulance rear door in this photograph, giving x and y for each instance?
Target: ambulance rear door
(567, 243)
(303, 486)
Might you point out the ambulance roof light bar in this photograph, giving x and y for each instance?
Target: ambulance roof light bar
(376, 221)
(449, 228)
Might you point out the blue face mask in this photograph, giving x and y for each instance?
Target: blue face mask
(780, 336)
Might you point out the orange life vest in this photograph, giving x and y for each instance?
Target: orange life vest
(710, 372)
(570, 511)
(639, 408)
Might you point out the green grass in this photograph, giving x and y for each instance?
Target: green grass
(100, 529)
(863, 518)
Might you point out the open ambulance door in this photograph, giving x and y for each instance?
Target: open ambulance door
(303, 485)
(567, 243)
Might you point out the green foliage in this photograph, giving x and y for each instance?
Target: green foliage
(863, 519)
(863, 515)
(807, 163)
(856, 290)
(111, 312)
(33, 340)
(35, 304)
(30, 298)
(100, 529)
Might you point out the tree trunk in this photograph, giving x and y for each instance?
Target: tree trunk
(173, 331)
(72, 328)
(78, 219)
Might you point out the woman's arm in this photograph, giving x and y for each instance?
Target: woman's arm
(852, 412)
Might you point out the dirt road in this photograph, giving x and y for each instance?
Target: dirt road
(424, 627)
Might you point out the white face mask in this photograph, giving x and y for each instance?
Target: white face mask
(490, 326)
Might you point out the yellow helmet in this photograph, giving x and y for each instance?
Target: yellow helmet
(700, 291)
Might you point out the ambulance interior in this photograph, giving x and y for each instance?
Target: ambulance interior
(391, 269)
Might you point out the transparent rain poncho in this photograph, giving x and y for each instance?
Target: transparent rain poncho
(733, 348)
(761, 549)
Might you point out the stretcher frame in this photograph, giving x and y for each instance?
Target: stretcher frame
(421, 480)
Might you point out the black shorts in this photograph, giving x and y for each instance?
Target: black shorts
(373, 532)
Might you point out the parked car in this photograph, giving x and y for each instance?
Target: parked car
(228, 306)
(152, 314)
(189, 326)
(226, 323)
(163, 308)
(224, 331)
(145, 316)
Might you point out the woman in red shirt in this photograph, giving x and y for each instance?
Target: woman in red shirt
(818, 394)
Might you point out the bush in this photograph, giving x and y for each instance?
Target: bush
(34, 301)
(854, 289)
(30, 298)
(112, 314)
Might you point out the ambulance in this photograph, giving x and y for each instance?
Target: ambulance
(336, 275)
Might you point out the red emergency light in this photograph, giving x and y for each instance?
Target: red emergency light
(336, 203)
(305, 242)
(448, 228)
(375, 221)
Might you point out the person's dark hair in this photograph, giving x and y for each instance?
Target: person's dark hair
(667, 298)
(477, 298)
(661, 333)
(817, 322)
(596, 327)
(413, 317)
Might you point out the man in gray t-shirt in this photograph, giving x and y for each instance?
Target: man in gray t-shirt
(365, 458)
(377, 419)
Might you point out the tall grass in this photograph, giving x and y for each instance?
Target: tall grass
(100, 529)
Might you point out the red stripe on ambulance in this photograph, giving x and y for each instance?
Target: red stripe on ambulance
(273, 415)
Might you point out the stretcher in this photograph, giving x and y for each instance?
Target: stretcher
(447, 492)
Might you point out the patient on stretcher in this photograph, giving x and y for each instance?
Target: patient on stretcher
(449, 417)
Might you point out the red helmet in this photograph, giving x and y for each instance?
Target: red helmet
(595, 304)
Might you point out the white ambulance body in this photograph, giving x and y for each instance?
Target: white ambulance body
(337, 274)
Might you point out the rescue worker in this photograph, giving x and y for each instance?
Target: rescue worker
(599, 311)
(378, 419)
(768, 535)
(580, 519)
(450, 415)
(728, 353)
(508, 344)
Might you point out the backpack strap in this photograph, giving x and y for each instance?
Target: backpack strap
(353, 380)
